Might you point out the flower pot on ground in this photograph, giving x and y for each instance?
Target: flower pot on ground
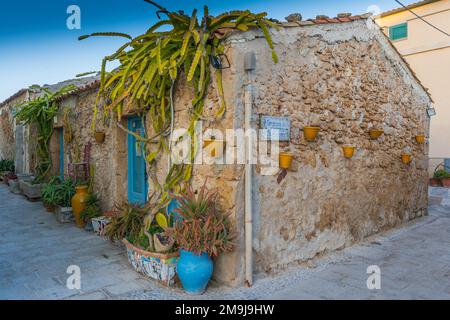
(65, 190)
(79, 204)
(348, 151)
(375, 133)
(446, 182)
(14, 186)
(420, 138)
(91, 210)
(310, 133)
(49, 193)
(99, 136)
(204, 232)
(63, 214)
(285, 160)
(406, 158)
(9, 176)
(31, 189)
(434, 182)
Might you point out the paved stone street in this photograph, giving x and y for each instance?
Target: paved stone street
(35, 252)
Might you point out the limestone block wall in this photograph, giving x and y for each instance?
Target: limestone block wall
(345, 78)
(108, 158)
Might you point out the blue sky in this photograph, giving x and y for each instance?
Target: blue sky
(37, 48)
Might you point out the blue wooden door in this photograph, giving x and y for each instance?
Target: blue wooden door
(61, 153)
(137, 177)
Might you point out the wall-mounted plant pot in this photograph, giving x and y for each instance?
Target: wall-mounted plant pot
(285, 160)
(310, 133)
(375, 133)
(406, 158)
(215, 147)
(99, 136)
(348, 151)
(420, 138)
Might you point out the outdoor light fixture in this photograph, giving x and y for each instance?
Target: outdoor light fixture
(431, 111)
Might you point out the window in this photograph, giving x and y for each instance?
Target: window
(399, 31)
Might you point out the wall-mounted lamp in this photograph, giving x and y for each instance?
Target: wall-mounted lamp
(431, 111)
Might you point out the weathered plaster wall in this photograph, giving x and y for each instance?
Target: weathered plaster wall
(345, 78)
(108, 158)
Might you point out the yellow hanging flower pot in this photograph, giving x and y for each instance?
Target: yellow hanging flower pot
(406, 158)
(375, 133)
(310, 133)
(285, 160)
(420, 138)
(215, 147)
(99, 136)
(348, 151)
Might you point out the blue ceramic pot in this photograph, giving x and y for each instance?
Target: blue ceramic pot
(194, 271)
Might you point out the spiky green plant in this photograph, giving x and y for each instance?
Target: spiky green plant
(40, 113)
(151, 63)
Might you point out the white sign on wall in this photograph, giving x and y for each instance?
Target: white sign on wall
(282, 124)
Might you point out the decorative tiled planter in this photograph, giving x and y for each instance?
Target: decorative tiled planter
(64, 214)
(158, 266)
(31, 191)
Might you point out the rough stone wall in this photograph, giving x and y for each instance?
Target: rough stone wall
(345, 78)
(7, 139)
(108, 158)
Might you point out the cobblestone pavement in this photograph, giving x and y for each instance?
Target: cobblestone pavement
(35, 252)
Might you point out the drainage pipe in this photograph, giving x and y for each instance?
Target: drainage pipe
(249, 65)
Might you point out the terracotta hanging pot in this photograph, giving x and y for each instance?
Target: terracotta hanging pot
(310, 133)
(99, 136)
(406, 158)
(348, 151)
(420, 138)
(68, 137)
(285, 160)
(79, 204)
(375, 133)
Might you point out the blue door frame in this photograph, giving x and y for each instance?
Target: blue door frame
(61, 152)
(137, 175)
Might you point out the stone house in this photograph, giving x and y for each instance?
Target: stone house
(342, 74)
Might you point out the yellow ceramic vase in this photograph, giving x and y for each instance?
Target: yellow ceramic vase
(375, 134)
(285, 160)
(406, 158)
(348, 151)
(79, 204)
(420, 138)
(310, 133)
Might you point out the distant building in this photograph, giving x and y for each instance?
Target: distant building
(427, 50)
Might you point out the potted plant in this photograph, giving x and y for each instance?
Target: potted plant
(63, 210)
(406, 158)
(443, 176)
(31, 188)
(310, 132)
(203, 232)
(348, 151)
(285, 160)
(420, 138)
(13, 183)
(135, 226)
(99, 136)
(91, 210)
(49, 193)
(375, 133)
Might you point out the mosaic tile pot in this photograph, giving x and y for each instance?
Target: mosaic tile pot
(158, 266)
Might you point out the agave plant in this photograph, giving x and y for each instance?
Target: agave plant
(151, 63)
(204, 227)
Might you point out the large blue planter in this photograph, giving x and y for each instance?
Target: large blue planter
(194, 271)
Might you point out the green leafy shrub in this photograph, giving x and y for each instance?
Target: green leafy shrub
(64, 193)
(439, 174)
(92, 209)
(50, 191)
(6, 165)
